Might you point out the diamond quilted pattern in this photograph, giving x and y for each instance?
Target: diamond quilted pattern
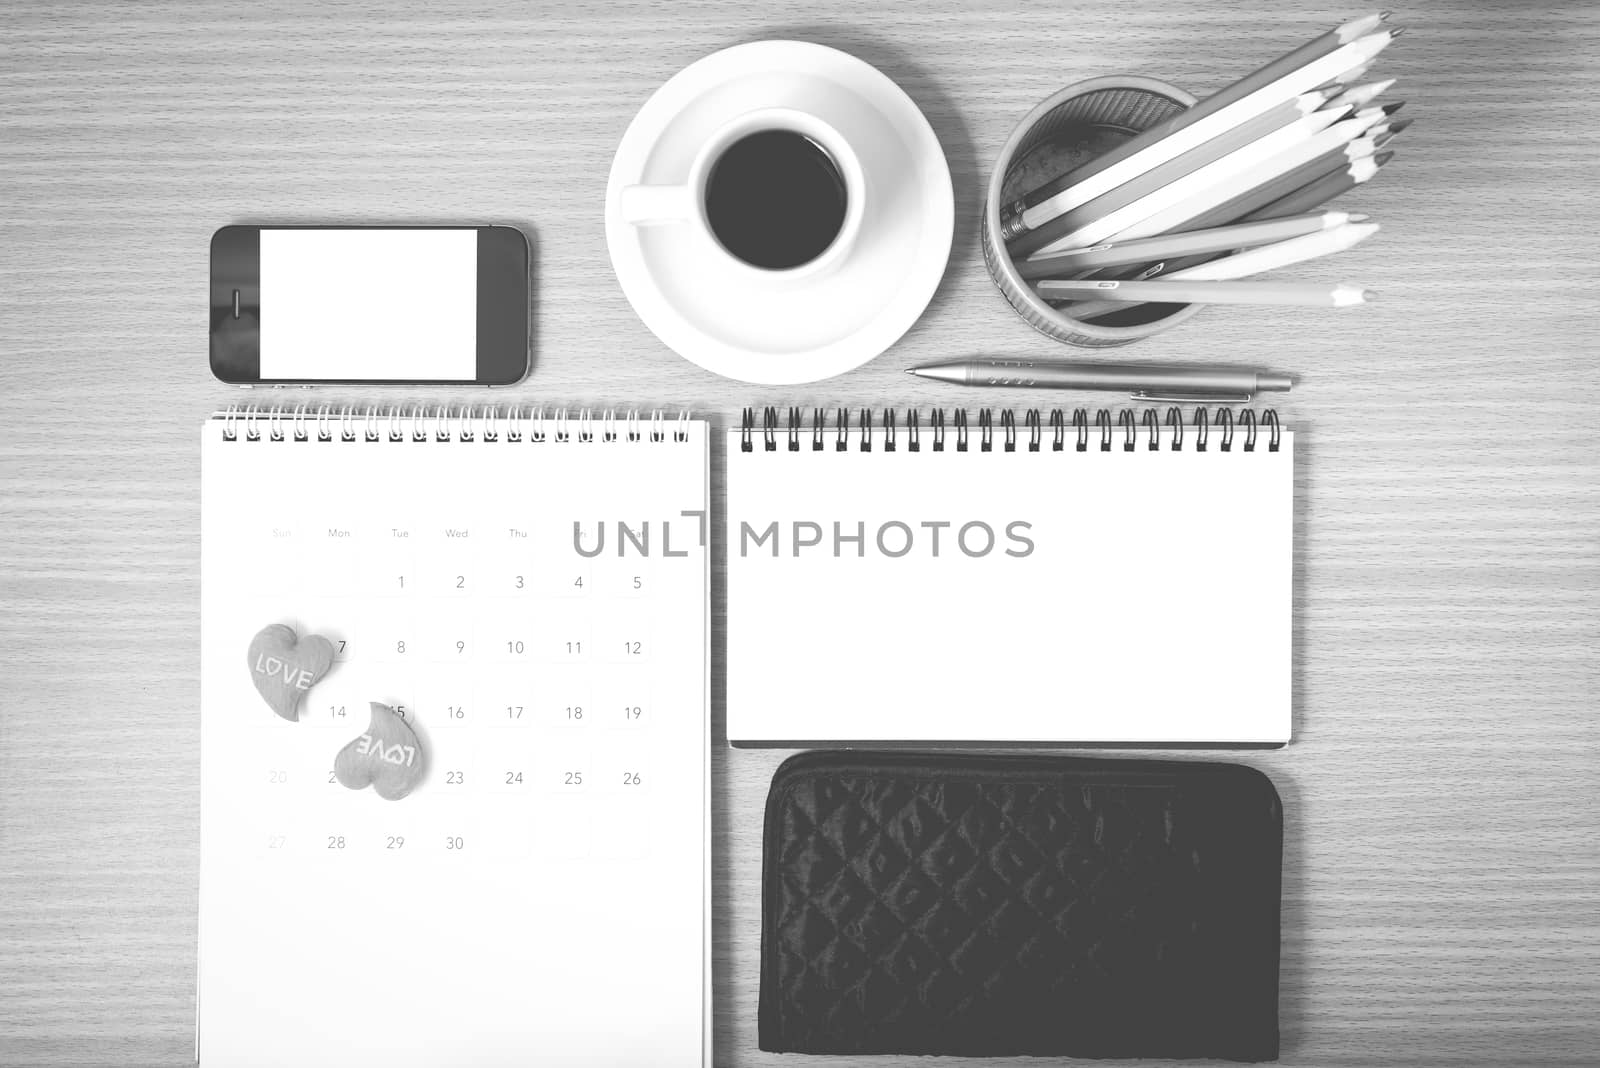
(1020, 905)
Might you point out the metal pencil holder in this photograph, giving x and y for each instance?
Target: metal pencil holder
(1065, 131)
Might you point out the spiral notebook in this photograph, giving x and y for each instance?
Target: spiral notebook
(1000, 577)
(530, 592)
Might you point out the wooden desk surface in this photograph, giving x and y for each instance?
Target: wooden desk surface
(1442, 868)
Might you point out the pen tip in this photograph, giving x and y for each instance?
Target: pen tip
(1358, 217)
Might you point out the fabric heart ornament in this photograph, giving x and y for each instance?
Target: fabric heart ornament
(388, 757)
(284, 666)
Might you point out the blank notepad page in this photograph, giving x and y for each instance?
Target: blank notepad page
(1034, 594)
(540, 897)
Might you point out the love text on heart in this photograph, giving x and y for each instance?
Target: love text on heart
(275, 667)
(401, 755)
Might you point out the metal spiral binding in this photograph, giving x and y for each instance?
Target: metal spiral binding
(1202, 429)
(444, 422)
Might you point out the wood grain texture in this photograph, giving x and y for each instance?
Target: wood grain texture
(1442, 873)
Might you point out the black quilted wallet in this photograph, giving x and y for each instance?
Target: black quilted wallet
(1020, 905)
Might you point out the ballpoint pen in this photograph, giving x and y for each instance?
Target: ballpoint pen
(1151, 382)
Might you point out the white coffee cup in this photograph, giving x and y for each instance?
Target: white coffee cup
(685, 204)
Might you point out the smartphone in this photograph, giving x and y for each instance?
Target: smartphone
(435, 305)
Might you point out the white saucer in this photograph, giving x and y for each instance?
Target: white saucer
(721, 315)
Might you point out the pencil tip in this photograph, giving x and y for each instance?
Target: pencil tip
(1390, 109)
(1357, 217)
(1396, 127)
(1383, 157)
(1383, 16)
(1396, 32)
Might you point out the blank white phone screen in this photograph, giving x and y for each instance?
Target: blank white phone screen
(369, 304)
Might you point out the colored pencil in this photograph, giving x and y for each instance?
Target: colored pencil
(1164, 186)
(1306, 294)
(1313, 195)
(1355, 161)
(1280, 254)
(1013, 217)
(1162, 246)
(1361, 95)
(1313, 64)
(1355, 73)
(1169, 209)
(1288, 181)
(1252, 262)
(1382, 135)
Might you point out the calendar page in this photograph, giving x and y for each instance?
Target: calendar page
(535, 610)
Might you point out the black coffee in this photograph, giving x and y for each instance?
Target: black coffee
(776, 199)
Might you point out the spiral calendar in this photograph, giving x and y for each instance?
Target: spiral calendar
(528, 592)
(1010, 577)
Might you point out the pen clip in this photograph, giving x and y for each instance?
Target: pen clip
(1194, 397)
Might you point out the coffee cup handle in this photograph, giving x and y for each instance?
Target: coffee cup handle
(653, 205)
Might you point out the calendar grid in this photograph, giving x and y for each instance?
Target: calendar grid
(531, 600)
